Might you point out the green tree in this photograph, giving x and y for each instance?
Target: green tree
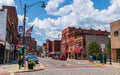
(94, 49)
(108, 48)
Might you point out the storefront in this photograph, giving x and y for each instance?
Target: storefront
(77, 53)
(2, 48)
(7, 52)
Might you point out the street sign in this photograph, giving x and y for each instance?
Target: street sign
(103, 47)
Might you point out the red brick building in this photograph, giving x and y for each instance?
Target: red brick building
(52, 48)
(10, 21)
(44, 48)
(115, 40)
(56, 47)
(31, 45)
(75, 41)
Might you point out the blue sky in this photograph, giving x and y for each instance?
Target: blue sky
(59, 14)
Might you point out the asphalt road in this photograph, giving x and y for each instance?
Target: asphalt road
(57, 67)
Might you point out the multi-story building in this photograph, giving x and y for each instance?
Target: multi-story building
(115, 40)
(44, 50)
(52, 48)
(31, 45)
(48, 46)
(75, 41)
(8, 32)
(56, 47)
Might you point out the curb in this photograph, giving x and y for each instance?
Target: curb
(92, 63)
(31, 70)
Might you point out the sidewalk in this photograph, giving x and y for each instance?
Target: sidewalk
(113, 65)
(14, 68)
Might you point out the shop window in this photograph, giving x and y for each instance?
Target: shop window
(7, 33)
(79, 55)
(116, 33)
(84, 55)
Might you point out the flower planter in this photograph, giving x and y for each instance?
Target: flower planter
(30, 65)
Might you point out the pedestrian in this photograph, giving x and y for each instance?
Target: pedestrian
(22, 61)
(19, 61)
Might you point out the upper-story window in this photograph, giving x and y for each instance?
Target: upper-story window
(116, 33)
(8, 33)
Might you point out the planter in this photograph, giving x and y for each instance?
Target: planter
(30, 65)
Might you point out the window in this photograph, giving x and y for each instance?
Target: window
(116, 33)
(7, 33)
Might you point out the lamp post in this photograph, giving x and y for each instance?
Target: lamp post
(24, 22)
(110, 52)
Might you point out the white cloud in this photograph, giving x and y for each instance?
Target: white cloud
(80, 13)
(20, 20)
(52, 8)
(7, 2)
(39, 43)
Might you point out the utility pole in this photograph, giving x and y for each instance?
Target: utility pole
(23, 43)
(24, 22)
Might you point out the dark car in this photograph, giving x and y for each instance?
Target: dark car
(62, 57)
(33, 57)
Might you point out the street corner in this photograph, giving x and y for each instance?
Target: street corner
(113, 66)
(27, 70)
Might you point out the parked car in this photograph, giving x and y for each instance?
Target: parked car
(33, 57)
(62, 57)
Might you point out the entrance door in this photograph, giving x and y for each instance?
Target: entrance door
(118, 55)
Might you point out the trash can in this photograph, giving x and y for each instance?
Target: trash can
(91, 58)
(30, 65)
(103, 58)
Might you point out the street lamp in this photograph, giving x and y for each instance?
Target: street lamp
(24, 22)
(110, 52)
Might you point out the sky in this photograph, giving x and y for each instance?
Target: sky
(50, 21)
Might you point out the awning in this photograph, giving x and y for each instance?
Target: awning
(77, 50)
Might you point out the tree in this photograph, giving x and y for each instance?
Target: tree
(108, 50)
(94, 49)
(108, 47)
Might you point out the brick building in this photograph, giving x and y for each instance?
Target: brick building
(115, 38)
(52, 48)
(48, 46)
(44, 50)
(75, 41)
(56, 47)
(31, 45)
(8, 33)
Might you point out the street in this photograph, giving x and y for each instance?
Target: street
(71, 67)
